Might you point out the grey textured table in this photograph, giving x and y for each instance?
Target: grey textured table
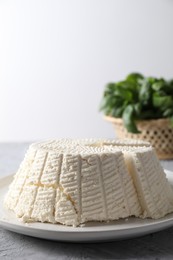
(14, 246)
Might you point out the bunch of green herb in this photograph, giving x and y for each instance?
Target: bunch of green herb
(138, 98)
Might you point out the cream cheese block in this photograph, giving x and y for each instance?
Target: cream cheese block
(75, 181)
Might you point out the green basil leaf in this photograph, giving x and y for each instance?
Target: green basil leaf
(137, 109)
(111, 86)
(103, 104)
(159, 85)
(117, 112)
(151, 80)
(130, 88)
(145, 92)
(129, 120)
(123, 93)
(134, 77)
(162, 102)
(168, 112)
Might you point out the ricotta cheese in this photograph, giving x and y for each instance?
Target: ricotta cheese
(75, 181)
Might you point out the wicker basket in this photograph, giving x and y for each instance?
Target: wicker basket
(158, 132)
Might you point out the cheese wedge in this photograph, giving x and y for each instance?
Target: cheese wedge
(154, 192)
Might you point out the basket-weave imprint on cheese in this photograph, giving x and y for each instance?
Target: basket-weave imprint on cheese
(75, 181)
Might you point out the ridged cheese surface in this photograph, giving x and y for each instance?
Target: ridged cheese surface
(74, 181)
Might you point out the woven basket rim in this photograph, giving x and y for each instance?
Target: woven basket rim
(160, 121)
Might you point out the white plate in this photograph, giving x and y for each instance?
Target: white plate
(91, 232)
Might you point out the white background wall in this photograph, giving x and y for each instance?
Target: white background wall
(57, 55)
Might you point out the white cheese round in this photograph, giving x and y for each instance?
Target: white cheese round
(74, 181)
